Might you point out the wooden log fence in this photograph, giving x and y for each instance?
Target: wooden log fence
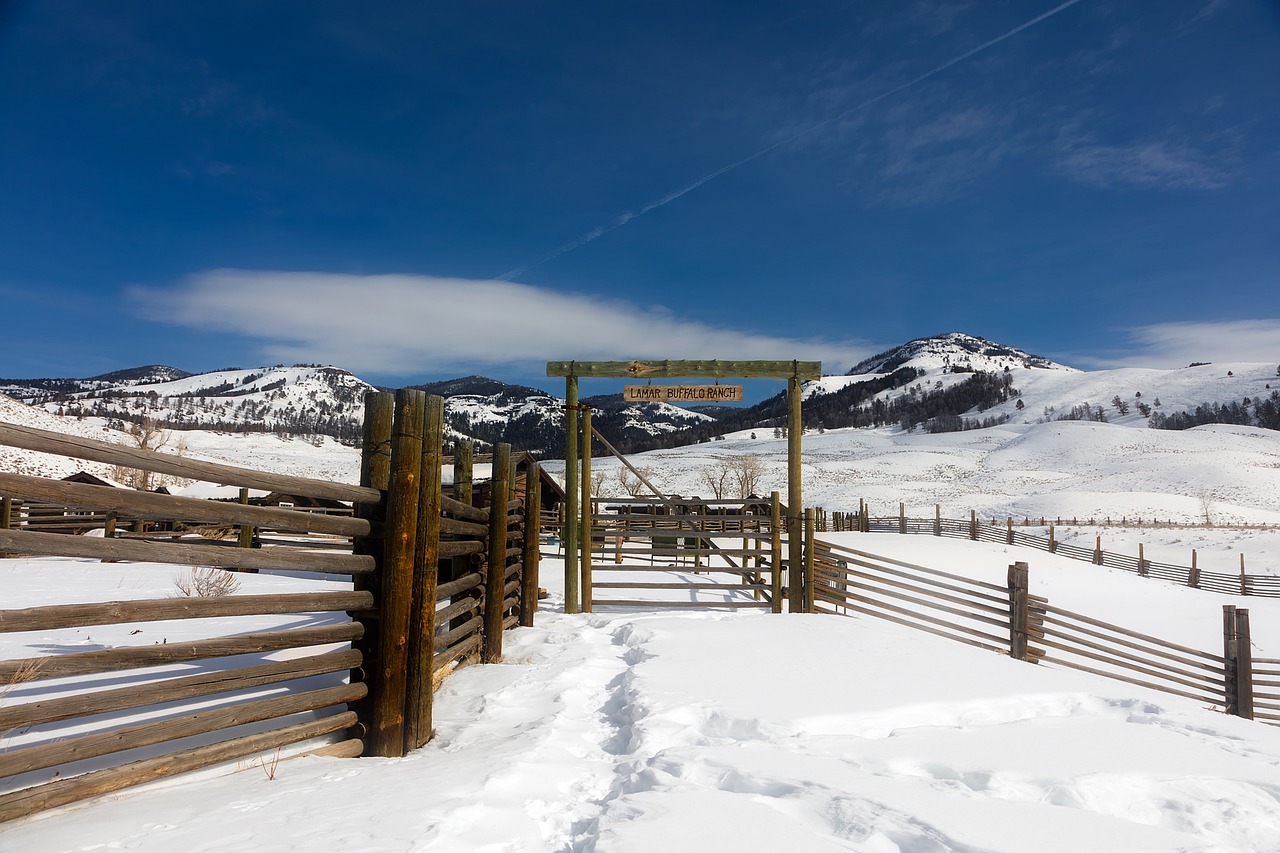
(1011, 620)
(1007, 532)
(436, 581)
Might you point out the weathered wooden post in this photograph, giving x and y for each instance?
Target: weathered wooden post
(586, 509)
(570, 537)
(973, 524)
(775, 527)
(1097, 551)
(1053, 543)
(246, 531)
(809, 560)
(1237, 650)
(1244, 579)
(1018, 610)
(902, 517)
(426, 563)
(1008, 537)
(937, 519)
(6, 513)
(795, 538)
(375, 470)
(1142, 561)
(395, 611)
(496, 572)
(532, 543)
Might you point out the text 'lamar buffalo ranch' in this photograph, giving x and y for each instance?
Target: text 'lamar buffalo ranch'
(682, 394)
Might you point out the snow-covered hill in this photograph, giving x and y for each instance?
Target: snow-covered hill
(957, 350)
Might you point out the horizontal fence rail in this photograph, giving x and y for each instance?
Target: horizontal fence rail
(1010, 620)
(436, 581)
(980, 530)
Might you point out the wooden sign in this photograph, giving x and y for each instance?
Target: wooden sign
(682, 394)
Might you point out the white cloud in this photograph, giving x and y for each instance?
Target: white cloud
(1156, 164)
(1168, 345)
(403, 324)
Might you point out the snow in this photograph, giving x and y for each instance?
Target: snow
(638, 730)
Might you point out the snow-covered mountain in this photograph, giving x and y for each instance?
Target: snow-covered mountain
(303, 400)
(954, 351)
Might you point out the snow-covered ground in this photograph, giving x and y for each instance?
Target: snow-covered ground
(636, 730)
(703, 730)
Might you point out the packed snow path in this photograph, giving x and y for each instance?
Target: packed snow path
(712, 731)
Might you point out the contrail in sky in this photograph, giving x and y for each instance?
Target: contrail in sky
(624, 218)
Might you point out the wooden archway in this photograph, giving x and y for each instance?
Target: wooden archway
(792, 371)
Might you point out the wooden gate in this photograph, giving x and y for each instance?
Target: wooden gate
(680, 553)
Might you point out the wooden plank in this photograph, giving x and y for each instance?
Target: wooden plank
(495, 572)
(655, 585)
(174, 689)
(64, 791)
(426, 570)
(1212, 700)
(844, 550)
(136, 657)
(1054, 613)
(147, 551)
(150, 505)
(163, 609)
(684, 369)
(862, 592)
(1125, 662)
(972, 594)
(468, 646)
(471, 626)
(454, 527)
(81, 747)
(532, 555)
(460, 585)
(1061, 626)
(458, 608)
(463, 510)
(665, 604)
(461, 547)
(386, 736)
(997, 644)
(30, 438)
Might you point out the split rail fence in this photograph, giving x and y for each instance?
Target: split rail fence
(435, 582)
(978, 530)
(1010, 620)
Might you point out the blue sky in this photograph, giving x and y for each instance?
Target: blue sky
(422, 190)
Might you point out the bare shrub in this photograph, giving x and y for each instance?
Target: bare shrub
(747, 471)
(206, 582)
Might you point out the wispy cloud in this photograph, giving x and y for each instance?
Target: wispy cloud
(403, 325)
(1153, 163)
(1168, 345)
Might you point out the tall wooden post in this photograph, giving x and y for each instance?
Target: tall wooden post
(375, 470)
(795, 534)
(246, 531)
(532, 543)
(496, 574)
(1019, 604)
(387, 738)
(1244, 579)
(937, 520)
(1142, 561)
(809, 560)
(775, 527)
(1097, 550)
(1237, 650)
(1053, 543)
(570, 536)
(1193, 576)
(1008, 540)
(973, 524)
(426, 562)
(586, 510)
(902, 517)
